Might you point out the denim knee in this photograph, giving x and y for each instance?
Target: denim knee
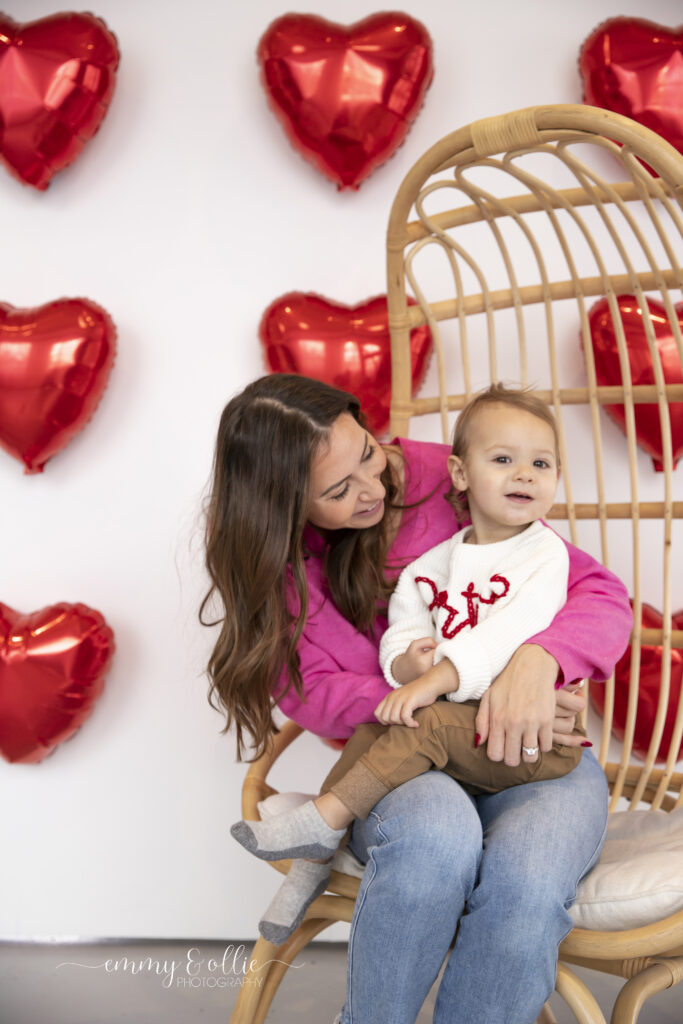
(427, 828)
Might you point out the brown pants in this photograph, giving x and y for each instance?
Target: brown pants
(378, 758)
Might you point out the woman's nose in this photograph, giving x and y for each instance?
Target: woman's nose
(372, 489)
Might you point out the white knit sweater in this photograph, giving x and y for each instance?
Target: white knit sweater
(480, 602)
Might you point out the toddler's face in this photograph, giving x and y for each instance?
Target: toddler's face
(510, 471)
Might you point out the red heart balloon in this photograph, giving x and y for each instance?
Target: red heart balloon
(648, 694)
(635, 67)
(57, 77)
(346, 96)
(335, 744)
(347, 346)
(648, 429)
(54, 365)
(52, 668)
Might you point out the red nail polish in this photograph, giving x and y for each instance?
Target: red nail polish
(586, 743)
(477, 740)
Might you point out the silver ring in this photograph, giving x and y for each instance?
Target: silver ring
(530, 751)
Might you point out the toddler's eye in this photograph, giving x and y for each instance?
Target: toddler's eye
(541, 464)
(502, 459)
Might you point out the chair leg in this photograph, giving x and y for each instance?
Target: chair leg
(653, 979)
(546, 1016)
(285, 954)
(270, 964)
(578, 997)
(262, 959)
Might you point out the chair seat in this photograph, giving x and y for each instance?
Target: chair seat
(639, 877)
(637, 881)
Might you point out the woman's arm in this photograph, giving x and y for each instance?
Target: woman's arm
(335, 700)
(585, 640)
(591, 632)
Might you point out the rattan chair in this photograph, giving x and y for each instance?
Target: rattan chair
(506, 231)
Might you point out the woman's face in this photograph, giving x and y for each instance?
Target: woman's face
(346, 491)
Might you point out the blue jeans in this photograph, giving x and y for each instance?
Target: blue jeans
(509, 861)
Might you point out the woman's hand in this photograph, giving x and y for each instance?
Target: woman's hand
(518, 709)
(569, 702)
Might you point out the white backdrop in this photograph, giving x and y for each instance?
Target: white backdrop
(185, 216)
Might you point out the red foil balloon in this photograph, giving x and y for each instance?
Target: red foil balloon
(347, 346)
(346, 95)
(335, 744)
(52, 668)
(57, 78)
(648, 429)
(54, 365)
(648, 694)
(635, 67)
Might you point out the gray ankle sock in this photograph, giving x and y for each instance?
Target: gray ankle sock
(305, 882)
(302, 832)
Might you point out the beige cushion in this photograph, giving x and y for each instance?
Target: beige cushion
(639, 877)
(637, 881)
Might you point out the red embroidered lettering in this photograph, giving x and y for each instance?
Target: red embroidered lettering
(440, 600)
(496, 597)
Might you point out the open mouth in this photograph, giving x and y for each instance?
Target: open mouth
(369, 511)
(522, 498)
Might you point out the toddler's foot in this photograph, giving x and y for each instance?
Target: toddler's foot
(302, 832)
(305, 882)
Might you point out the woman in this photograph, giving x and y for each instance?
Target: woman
(309, 523)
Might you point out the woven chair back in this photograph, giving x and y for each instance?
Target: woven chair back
(508, 233)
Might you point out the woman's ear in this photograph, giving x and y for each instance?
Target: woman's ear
(458, 474)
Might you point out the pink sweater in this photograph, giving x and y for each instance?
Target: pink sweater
(342, 678)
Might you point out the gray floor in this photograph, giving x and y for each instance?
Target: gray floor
(144, 982)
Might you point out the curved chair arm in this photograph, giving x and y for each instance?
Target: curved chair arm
(255, 787)
(663, 937)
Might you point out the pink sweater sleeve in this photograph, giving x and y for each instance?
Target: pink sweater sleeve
(591, 632)
(335, 700)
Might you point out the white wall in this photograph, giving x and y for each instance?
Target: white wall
(185, 217)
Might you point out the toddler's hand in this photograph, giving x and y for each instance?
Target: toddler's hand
(415, 661)
(398, 706)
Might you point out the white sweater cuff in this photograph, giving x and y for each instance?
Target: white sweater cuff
(387, 658)
(389, 677)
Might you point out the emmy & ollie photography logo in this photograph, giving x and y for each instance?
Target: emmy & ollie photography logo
(234, 969)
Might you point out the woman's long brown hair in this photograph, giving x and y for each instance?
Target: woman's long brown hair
(267, 438)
